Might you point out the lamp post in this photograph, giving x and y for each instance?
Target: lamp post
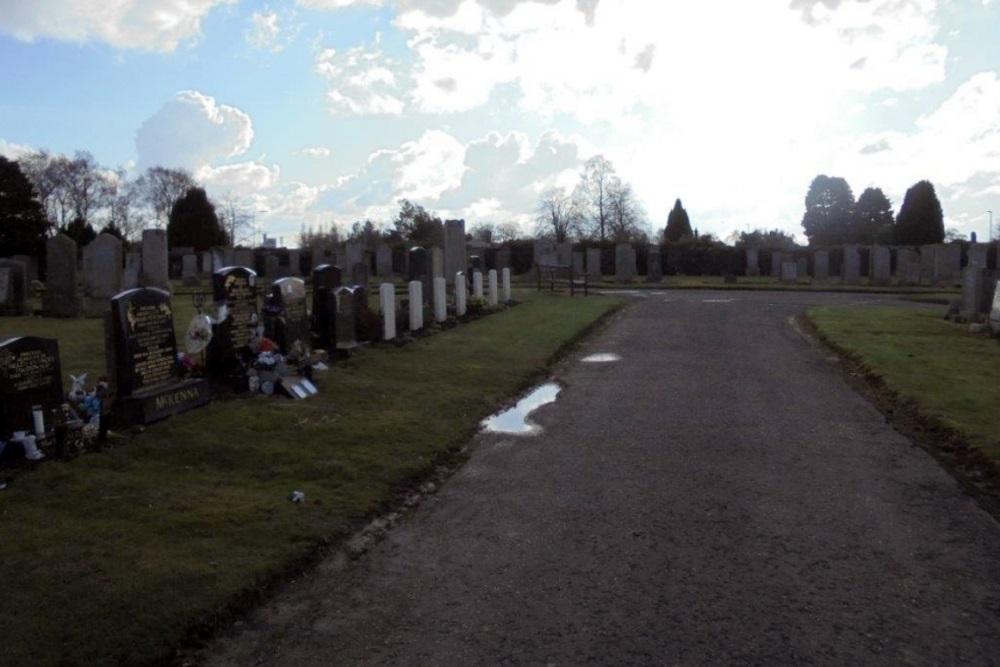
(991, 225)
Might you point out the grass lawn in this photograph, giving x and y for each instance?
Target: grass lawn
(115, 557)
(949, 374)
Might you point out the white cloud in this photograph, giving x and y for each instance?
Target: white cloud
(361, 80)
(190, 131)
(145, 25)
(243, 178)
(316, 151)
(264, 31)
(13, 151)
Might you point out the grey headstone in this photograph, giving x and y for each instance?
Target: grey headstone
(437, 262)
(189, 269)
(359, 274)
(906, 259)
(383, 261)
(243, 257)
(753, 263)
(972, 277)
(387, 306)
(881, 265)
(355, 254)
(851, 270)
(928, 264)
(294, 263)
(624, 262)
(564, 253)
(578, 262)
(821, 265)
(416, 305)
(977, 255)
(60, 299)
(594, 262)
(271, 264)
(103, 274)
(789, 272)
(654, 265)
(133, 270)
(207, 266)
(155, 259)
(503, 258)
(802, 267)
(228, 259)
(776, 260)
(545, 253)
(13, 288)
(455, 253)
(949, 263)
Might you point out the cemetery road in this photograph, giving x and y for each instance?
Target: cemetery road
(718, 496)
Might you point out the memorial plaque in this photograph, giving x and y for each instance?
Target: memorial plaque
(30, 375)
(145, 343)
(236, 287)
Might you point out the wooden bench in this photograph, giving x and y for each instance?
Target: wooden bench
(562, 275)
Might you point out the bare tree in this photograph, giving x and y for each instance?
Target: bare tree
(87, 185)
(327, 239)
(483, 231)
(124, 212)
(236, 220)
(626, 217)
(592, 194)
(557, 215)
(162, 187)
(507, 231)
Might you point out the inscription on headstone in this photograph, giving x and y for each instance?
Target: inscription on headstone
(30, 375)
(236, 287)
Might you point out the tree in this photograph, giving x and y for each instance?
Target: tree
(766, 238)
(162, 187)
(678, 224)
(507, 231)
(829, 215)
(23, 226)
(415, 225)
(626, 220)
(235, 219)
(194, 223)
(592, 195)
(873, 218)
(483, 231)
(365, 233)
(557, 218)
(80, 231)
(920, 220)
(321, 239)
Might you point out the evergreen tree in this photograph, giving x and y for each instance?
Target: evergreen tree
(194, 223)
(80, 231)
(22, 220)
(920, 220)
(678, 224)
(829, 215)
(873, 218)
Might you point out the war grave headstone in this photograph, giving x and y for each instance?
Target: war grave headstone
(821, 265)
(789, 272)
(477, 284)
(290, 324)
(461, 294)
(420, 270)
(235, 287)
(802, 267)
(383, 261)
(440, 299)
(494, 295)
(881, 265)
(594, 262)
(851, 271)
(416, 305)
(949, 263)
(31, 392)
(387, 305)
(654, 265)
(155, 259)
(13, 288)
(753, 263)
(624, 262)
(60, 298)
(148, 383)
(326, 278)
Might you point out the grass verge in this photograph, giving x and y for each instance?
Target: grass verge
(118, 557)
(932, 379)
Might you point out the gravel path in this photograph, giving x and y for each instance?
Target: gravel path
(718, 496)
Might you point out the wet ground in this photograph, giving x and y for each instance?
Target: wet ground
(715, 496)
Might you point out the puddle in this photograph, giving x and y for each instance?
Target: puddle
(602, 358)
(515, 420)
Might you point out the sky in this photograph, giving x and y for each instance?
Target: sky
(312, 112)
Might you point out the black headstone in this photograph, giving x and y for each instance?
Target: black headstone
(288, 295)
(148, 385)
(236, 287)
(346, 320)
(418, 263)
(326, 278)
(30, 375)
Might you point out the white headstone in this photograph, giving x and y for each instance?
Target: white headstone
(506, 285)
(387, 304)
(440, 299)
(995, 310)
(416, 305)
(477, 284)
(461, 294)
(494, 296)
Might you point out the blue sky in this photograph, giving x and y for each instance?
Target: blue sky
(332, 110)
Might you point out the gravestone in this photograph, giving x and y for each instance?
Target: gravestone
(155, 259)
(977, 255)
(227, 257)
(802, 267)
(506, 285)
(461, 294)
(564, 254)
(995, 309)
(416, 305)
(440, 299)
(326, 278)
(387, 304)
(594, 262)
(236, 288)
(30, 266)
(14, 288)
(949, 263)
(881, 265)
(437, 262)
(345, 321)
(905, 258)
(354, 253)
(624, 262)
(359, 274)
(821, 265)
(928, 264)
(319, 258)
(291, 325)
(207, 266)
(103, 275)
(753, 263)
(420, 270)
(243, 257)
(455, 253)
(776, 261)
(60, 299)
(789, 272)
(578, 262)
(30, 375)
(147, 376)
(494, 295)
(271, 266)
(133, 270)
(851, 269)
(294, 263)
(503, 258)
(477, 285)
(972, 279)
(189, 270)
(546, 253)
(383, 261)
(654, 265)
